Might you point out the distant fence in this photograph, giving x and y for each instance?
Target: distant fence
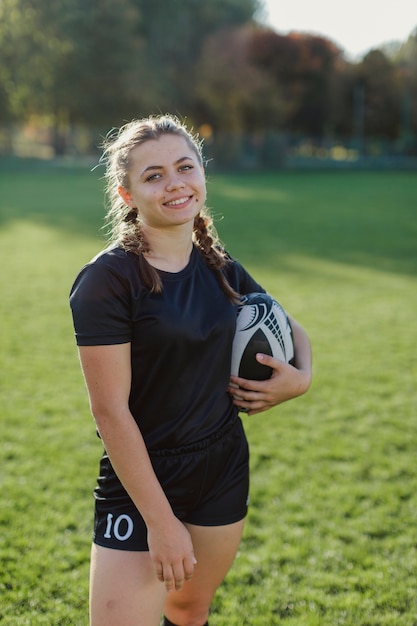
(230, 151)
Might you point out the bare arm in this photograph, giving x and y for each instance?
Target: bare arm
(107, 372)
(286, 382)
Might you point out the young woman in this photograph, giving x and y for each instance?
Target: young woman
(154, 317)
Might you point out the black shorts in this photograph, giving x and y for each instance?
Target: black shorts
(206, 483)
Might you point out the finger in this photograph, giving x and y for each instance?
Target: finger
(189, 564)
(244, 384)
(168, 578)
(236, 396)
(270, 361)
(247, 407)
(178, 571)
(254, 412)
(160, 573)
(258, 408)
(236, 382)
(246, 395)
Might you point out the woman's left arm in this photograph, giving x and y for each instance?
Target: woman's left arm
(286, 382)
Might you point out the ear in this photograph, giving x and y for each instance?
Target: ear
(126, 196)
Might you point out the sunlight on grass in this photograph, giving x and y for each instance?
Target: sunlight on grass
(241, 192)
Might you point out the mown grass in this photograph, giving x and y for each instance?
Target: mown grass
(330, 537)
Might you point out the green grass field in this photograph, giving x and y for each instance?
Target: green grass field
(331, 535)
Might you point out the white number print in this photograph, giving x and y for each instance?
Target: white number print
(115, 528)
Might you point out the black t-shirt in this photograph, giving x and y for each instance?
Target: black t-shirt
(180, 340)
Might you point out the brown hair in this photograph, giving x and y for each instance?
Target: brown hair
(124, 223)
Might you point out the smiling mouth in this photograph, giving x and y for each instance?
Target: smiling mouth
(178, 202)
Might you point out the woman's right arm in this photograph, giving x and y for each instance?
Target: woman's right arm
(107, 373)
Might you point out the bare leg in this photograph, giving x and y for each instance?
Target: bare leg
(215, 548)
(124, 589)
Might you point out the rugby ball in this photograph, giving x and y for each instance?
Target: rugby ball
(261, 326)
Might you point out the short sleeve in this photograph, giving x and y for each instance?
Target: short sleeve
(101, 306)
(240, 279)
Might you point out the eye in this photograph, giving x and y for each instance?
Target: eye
(153, 177)
(186, 167)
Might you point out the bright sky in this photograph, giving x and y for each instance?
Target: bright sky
(354, 25)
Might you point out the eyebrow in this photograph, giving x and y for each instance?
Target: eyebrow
(161, 167)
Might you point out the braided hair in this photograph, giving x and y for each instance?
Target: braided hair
(124, 223)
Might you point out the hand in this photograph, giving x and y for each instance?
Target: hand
(171, 551)
(286, 382)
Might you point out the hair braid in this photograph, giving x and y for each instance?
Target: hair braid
(214, 255)
(133, 240)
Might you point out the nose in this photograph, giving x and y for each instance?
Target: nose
(174, 181)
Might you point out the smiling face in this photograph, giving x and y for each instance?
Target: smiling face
(166, 182)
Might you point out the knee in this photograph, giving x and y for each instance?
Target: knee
(192, 613)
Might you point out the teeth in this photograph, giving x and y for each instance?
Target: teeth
(179, 201)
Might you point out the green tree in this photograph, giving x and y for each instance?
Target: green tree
(175, 33)
(407, 67)
(66, 60)
(379, 79)
(234, 94)
(101, 61)
(303, 68)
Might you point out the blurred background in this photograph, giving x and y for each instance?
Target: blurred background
(267, 84)
(279, 89)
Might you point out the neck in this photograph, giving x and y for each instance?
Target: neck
(169, 251)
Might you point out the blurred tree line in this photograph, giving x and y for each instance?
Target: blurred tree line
(98, 63)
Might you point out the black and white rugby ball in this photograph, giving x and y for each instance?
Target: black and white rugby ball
(261, 326)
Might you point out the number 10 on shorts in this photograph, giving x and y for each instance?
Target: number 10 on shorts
(121, 529)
